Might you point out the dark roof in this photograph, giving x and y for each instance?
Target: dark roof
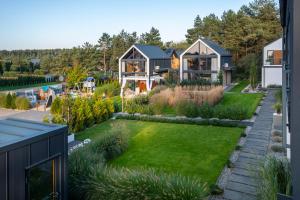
(169, 52)
(220, 50)
(15, 131)
(152, 52)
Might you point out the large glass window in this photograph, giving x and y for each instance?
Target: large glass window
(274, 57)
(43, 181)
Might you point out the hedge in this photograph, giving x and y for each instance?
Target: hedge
(21, 80)
(185, 120)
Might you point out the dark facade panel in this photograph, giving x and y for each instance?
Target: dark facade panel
(56, 145)
(38, 151)
(17, 160)
(3, 187)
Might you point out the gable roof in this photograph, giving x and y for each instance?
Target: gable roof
(152, 52)
(216, 47)
(169, 52)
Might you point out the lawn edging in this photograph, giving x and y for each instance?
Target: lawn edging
(185, 120)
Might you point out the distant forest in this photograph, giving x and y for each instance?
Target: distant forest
(244, 33)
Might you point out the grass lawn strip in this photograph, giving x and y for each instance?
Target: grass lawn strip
(190, 150)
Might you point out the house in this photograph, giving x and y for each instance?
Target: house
(205, 59)
(290, 21)
(272, 64)
(33, 160)
(142, 66)
(89, 84)
(175, 57)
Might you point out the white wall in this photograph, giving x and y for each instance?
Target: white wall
(271, 76)
(276, 45)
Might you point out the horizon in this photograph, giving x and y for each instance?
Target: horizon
(67, 24)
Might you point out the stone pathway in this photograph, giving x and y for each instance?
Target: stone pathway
(242, 181)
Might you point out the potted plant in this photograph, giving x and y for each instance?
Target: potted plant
(277, 116)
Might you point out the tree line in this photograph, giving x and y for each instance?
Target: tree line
(244, 33)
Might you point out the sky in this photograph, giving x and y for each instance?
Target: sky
(44, 24)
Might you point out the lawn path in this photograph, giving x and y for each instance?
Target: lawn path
(242, 184)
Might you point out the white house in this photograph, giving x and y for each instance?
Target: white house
(272, 64)
(205, 59)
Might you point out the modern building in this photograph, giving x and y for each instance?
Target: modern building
(290, 20)
(32, 160)
(141, 66)
(205, 59)
(271, 72)
(175, 57)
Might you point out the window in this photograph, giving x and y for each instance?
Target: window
(274, 57)
(42, 181)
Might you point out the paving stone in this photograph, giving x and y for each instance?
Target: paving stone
(243, 179)
(251, 155)
(240, 187)
(234, 195)
(244, 172)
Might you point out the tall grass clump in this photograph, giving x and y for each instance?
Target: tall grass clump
(126, 184)
(275, 178)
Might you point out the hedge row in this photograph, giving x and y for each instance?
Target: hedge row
(21, 80)
(14, 102)
(184, 120)
(81, 113)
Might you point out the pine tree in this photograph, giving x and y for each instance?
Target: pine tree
(152, 38)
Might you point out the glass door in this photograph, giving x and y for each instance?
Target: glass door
(42, 181)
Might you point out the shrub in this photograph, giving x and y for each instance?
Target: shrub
(187, 108)
(206, 111)
(46, 119)
(277, 107)
(2, 100)
(117, 104)
(58, 119)
(277, 148)
(277, 139)
(277, 133)
(110, 89)
(278, 96)
(111, 145)
(8, 101)
(56, 107)
(22, 103)
(235, 112)
(275, 178)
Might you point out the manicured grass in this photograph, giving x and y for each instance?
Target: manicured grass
(248, 101)
(26, 86)
(191, 150)
(240, 86)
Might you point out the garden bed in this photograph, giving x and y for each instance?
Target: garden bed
(190, 150)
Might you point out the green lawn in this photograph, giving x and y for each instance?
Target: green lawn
(191, 150)
(240, 86)
(26, 86)
(249, 101)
